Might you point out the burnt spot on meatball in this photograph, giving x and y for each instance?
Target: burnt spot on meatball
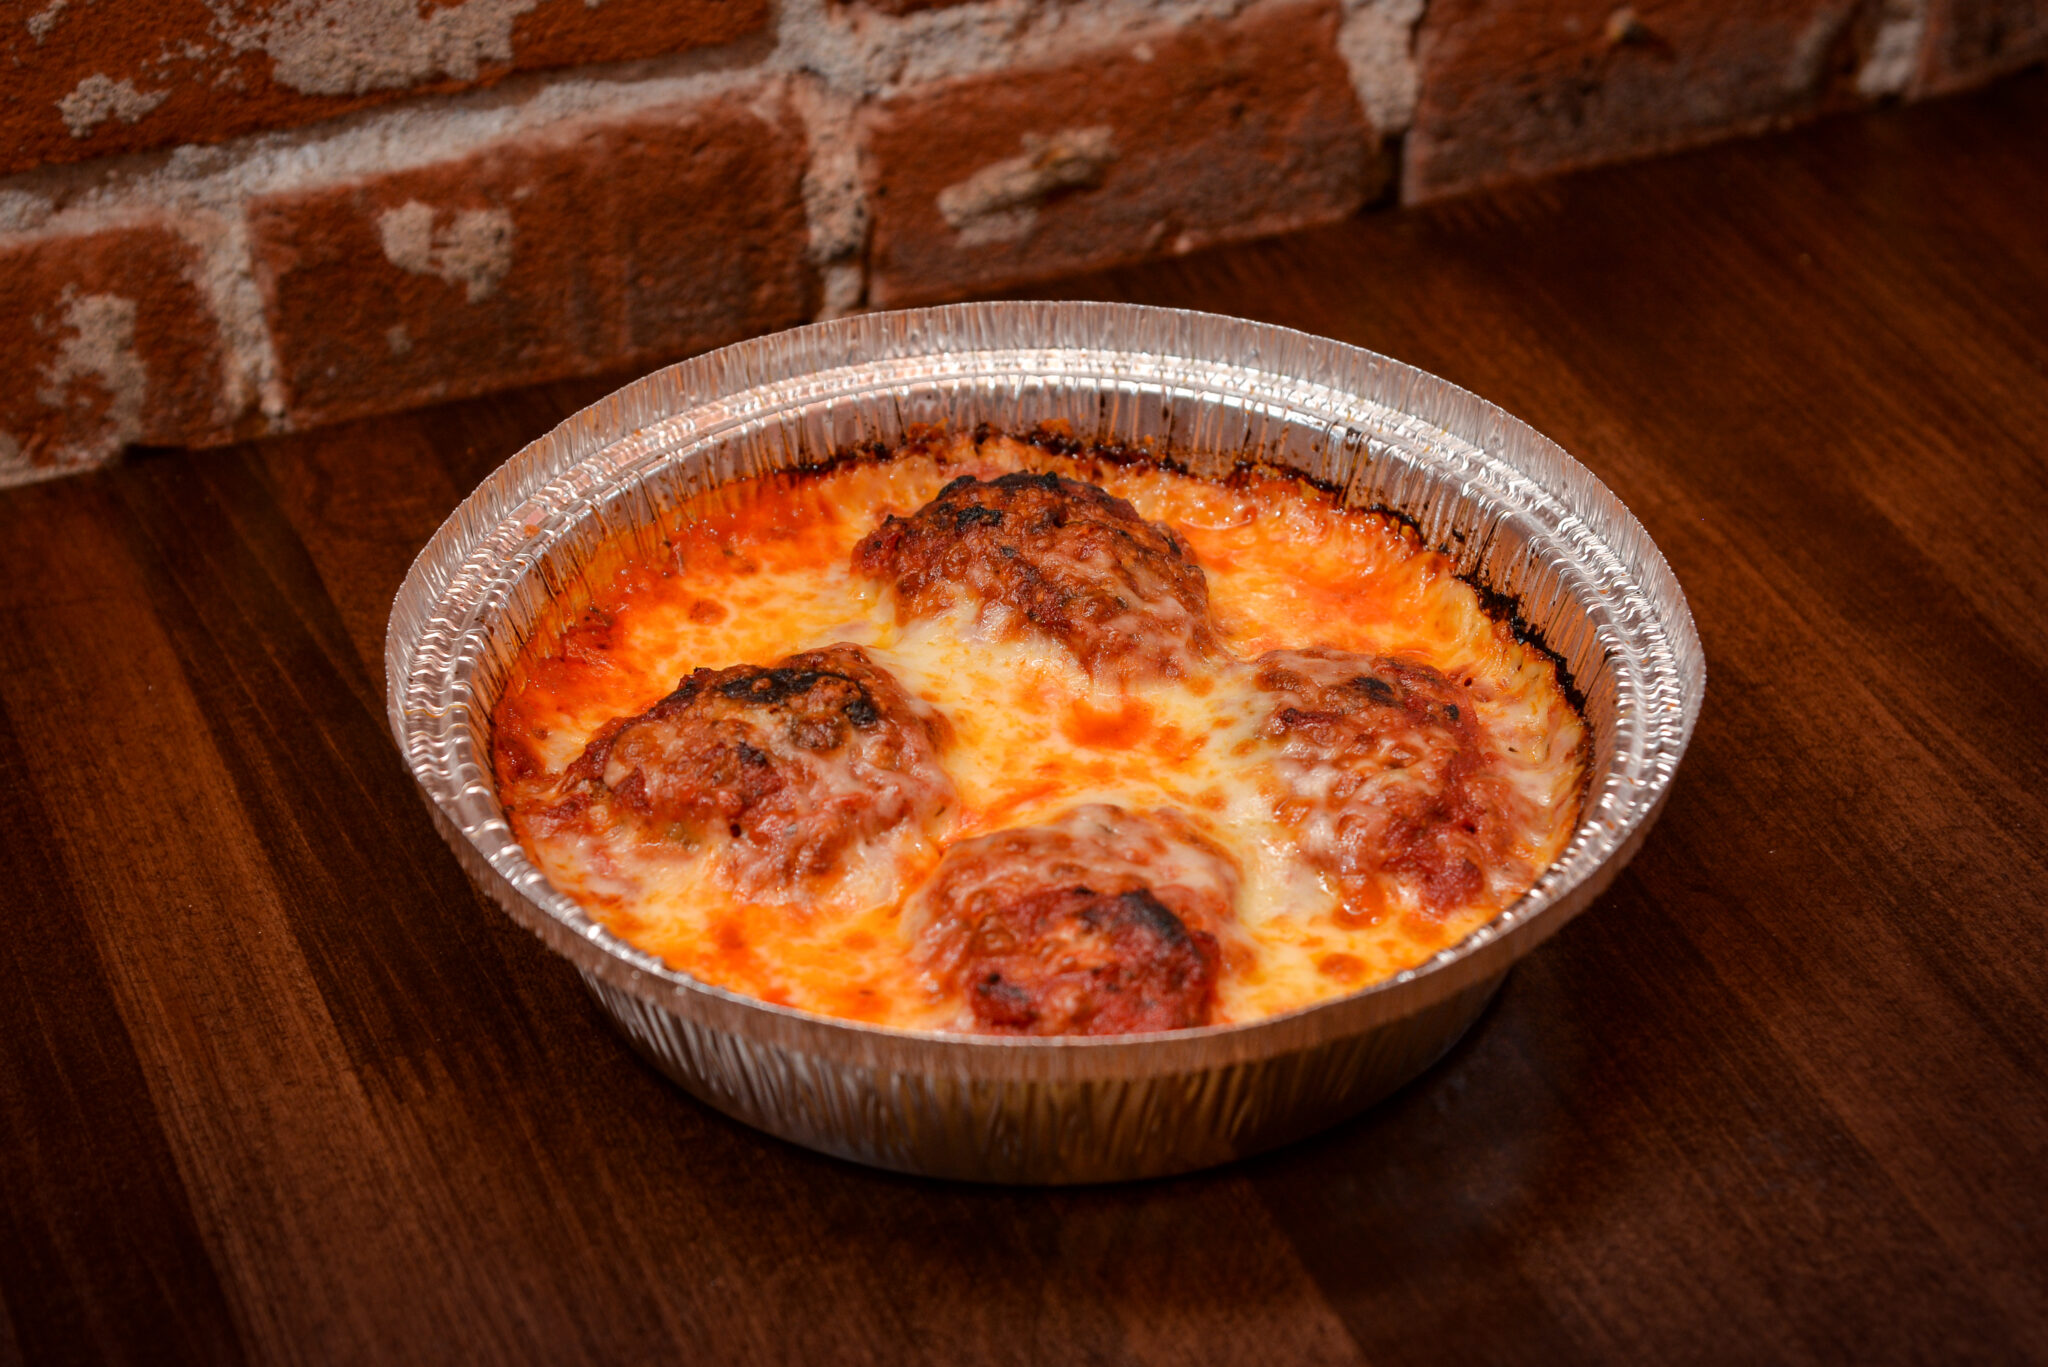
(781, 769)
(1384, 778)
(1082, 962)
(1043, 554)
(1102, 922)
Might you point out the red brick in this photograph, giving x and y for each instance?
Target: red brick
(108, 342)
(189, 77)
(1517, 88)
(599, 246)
(1207, 133)
(1970, 41)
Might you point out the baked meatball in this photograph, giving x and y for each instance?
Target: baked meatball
(1103, 922)
(782, 768)
(1044, 554)
(1383, 778)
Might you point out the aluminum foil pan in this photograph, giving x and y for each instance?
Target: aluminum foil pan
(1518, 515)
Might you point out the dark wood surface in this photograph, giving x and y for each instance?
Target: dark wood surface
(275, 1085)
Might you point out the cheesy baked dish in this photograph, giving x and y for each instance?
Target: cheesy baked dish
(1011, 736)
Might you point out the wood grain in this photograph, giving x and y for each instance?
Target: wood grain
(276, 1085)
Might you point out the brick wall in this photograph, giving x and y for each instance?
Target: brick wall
(220, 218)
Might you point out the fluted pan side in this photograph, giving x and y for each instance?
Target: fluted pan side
(1516, 513)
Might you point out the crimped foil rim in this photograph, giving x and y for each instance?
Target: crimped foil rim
(1265, 378)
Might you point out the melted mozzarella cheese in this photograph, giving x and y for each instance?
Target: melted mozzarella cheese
(760, 570)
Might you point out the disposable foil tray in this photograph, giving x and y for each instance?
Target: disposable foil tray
(1518, 515)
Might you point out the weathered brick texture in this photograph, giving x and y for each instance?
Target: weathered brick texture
(1164, 143)
(1511, 89)
(669, 175)
(109, 341)
(85, 78)
(1969, 41)
(599, 246)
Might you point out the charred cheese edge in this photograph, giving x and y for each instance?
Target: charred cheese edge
(759, 569)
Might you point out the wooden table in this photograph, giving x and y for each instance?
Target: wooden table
(275, 1084)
